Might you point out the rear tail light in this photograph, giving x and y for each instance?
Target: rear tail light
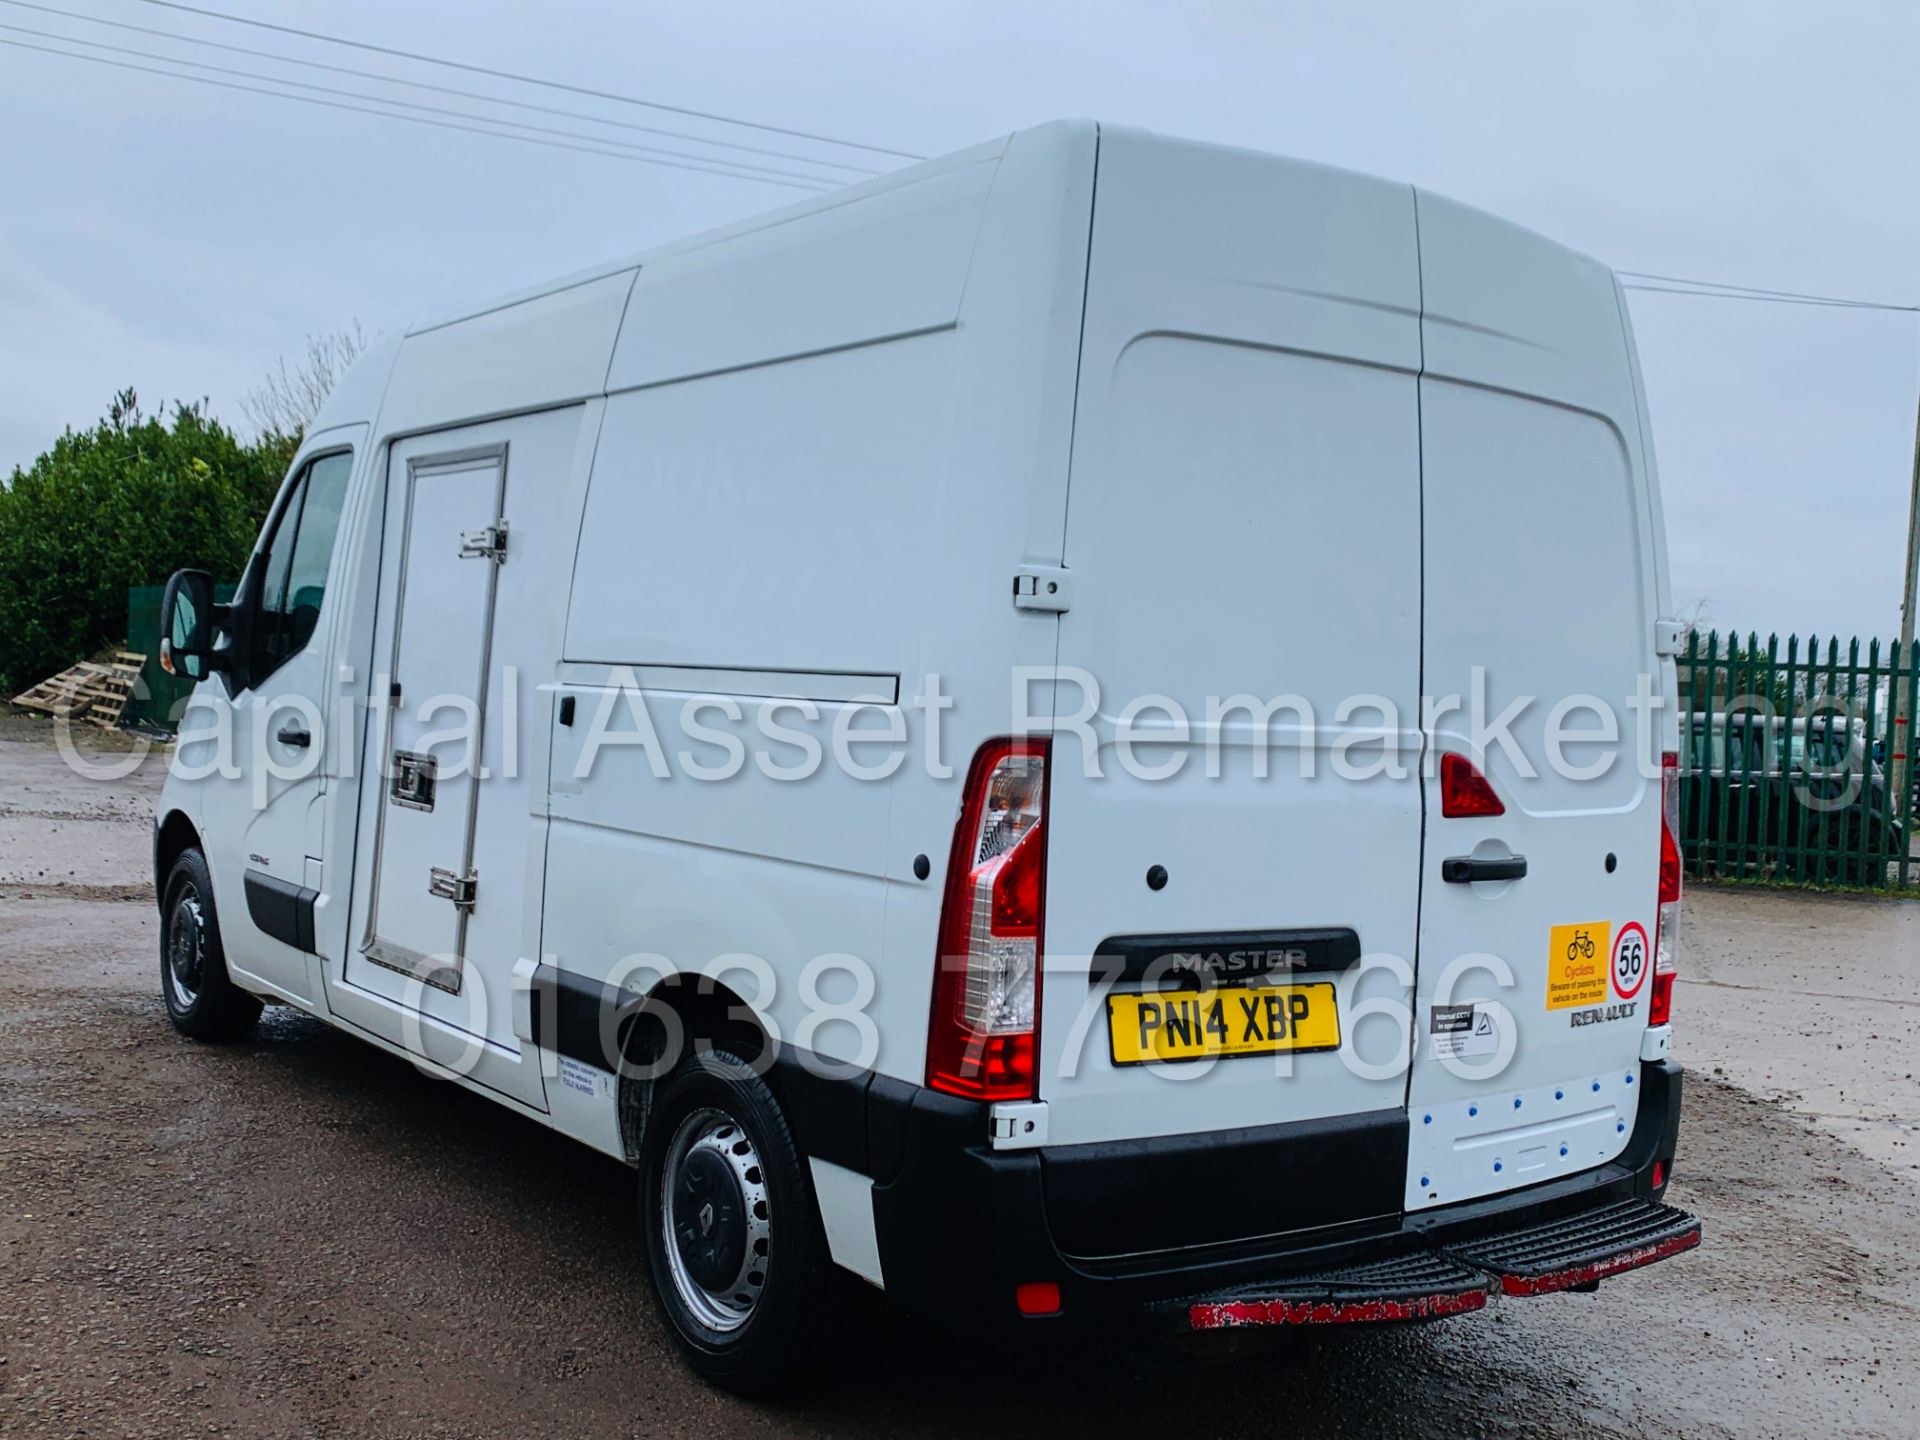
(1464, 791)
(1666, 930)
(983, 1039)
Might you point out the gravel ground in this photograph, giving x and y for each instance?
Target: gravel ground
(299, 1235)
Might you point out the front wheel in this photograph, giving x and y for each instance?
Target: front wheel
(202, 1000)
(738, 1263)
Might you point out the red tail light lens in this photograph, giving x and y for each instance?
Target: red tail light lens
(982, 1041)
(1464, 791)
(1666, 929)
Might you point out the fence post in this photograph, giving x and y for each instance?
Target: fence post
(1872, 721)
(1722, 696)
(1907, 663)
(1787, 868)
(1692, 805)
(1770, 751)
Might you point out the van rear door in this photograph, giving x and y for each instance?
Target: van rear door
(1541, 592)
(1243, 524)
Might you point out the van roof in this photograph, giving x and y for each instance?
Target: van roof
(766, 220)
(472, 362)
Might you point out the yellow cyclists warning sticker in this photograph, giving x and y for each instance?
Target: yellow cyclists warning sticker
(1579, 959)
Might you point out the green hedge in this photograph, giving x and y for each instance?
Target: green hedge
(125, 503)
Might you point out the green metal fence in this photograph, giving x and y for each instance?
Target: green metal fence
(1789, 757)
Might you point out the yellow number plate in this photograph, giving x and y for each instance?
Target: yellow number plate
(1168, 1025)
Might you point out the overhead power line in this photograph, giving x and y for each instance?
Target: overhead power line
(427, 85)
(1717, 290)
(425, 59)
(745, 169)
(596, 148)
(1646, 282)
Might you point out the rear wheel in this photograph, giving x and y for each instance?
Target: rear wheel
(733, 1242)
(202, 1000)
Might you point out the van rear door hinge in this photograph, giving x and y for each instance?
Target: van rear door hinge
(1017, 1124)
(461, 889)
(1041, 587)
(1667, 635)
(487, 544)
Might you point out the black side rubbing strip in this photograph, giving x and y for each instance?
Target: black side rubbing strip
(578, 1017)
(282, 909)
(1192, 960)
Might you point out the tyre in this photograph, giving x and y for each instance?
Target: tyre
(202, 1001)
(732, 1237)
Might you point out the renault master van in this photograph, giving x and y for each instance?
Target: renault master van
(1082, 732)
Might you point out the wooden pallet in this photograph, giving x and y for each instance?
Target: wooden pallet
(89, 691)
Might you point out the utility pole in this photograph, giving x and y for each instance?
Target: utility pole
(1900, 767)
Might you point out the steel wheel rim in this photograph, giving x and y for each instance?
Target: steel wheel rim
(714, 1206)
(186, 949)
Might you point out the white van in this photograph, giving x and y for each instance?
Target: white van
(969, 728)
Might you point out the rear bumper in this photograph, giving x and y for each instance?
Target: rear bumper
(960, 1226)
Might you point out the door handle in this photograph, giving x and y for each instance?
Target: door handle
(1466, 869)
(292, 734)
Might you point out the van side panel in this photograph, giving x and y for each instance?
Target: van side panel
(741, 534)
(814, 491)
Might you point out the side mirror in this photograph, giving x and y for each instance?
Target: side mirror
(186, 625)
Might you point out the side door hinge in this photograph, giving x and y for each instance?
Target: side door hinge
(487, 544)
(462, 890)
(1042, 587)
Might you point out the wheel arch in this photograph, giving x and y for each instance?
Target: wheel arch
(704, 1011)
(173, 836)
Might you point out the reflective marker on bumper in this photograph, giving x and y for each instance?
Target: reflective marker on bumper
(1037, 1299)
(1231, 1314)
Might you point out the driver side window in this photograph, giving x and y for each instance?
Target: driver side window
(293, 577)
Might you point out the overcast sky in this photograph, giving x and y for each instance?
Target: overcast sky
(178, 238)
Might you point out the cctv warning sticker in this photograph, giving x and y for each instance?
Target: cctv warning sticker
(1579, 961)
(1459, 1032)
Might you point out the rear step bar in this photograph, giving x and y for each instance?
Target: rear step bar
(1583, 1250)
(1565, 1254)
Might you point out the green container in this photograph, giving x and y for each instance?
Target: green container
(158, 698)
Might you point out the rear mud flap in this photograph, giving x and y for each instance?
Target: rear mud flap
(1454, 1279)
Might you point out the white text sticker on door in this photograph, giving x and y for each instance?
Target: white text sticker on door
(1463, 1032)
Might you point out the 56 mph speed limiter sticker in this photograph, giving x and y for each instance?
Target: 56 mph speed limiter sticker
(1631, 960)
